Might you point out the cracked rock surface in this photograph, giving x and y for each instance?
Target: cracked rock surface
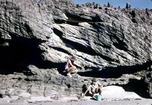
(36, 39)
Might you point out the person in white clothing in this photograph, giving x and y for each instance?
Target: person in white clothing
(95, 86)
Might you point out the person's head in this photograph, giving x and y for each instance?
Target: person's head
(94, 81)
(73, 58)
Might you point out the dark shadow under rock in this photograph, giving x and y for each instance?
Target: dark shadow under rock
(138, 86)
(115, 72)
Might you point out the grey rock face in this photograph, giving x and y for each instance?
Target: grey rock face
(107, 41)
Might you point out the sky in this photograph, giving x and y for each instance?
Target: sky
(143, 4)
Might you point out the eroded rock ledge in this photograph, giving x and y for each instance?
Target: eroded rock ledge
(109, 42)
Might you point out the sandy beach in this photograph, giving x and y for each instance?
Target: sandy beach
(92, 102)
(132, 102)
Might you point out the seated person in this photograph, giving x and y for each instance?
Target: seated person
(71, 66)
(95, 87)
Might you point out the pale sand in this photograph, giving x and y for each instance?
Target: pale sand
(131, 102)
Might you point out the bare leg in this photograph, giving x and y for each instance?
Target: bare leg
(93, 92)
(72, 70)
(100, 90)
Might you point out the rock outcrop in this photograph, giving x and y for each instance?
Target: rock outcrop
(109, 42)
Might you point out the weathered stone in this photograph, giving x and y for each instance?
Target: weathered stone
(128, 5)
(38, 38)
